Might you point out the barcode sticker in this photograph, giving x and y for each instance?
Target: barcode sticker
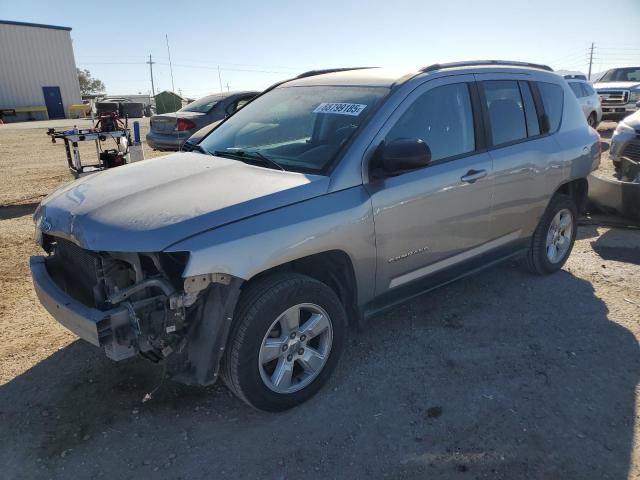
(353, 109)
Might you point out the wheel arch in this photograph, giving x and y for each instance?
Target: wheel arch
(578, 190)
(334, 268)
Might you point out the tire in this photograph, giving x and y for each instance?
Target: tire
(258, 334)
(539, 258)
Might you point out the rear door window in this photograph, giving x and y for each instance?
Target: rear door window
(506, 111)
(577, 90)
(442, 118)
(588, 90)
(552, 99)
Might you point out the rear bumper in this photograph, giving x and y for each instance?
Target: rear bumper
(90, 324)
(161, 141)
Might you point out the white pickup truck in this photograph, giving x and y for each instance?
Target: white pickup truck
(619, 90)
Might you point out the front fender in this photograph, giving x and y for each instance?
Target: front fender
(337, 221)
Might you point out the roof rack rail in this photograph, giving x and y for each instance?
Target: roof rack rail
(312, 73)
(472, 63)
(575, 76)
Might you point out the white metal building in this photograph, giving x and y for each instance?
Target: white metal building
(38, 78)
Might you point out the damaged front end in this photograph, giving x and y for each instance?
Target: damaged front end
(139, 304)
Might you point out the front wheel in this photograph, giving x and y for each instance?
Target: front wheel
(288, 336)
(554, 237)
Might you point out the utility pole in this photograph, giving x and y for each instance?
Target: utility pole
(220, 78)
(590, 61)
(150, 62)
(227, 86)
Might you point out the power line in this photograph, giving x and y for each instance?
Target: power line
(111, 63)
(570, 56)
(203, 67)
(217, 62)
(618, 48)
(200, 63)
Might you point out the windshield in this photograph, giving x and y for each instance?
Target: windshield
(622, 75)
(300, 128)
(202, 105)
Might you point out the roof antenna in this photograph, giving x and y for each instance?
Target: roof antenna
(173, 88)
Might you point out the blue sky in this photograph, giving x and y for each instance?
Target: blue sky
(257, 43)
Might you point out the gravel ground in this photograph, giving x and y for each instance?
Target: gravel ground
(502, 375)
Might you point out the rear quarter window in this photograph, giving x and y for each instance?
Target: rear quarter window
(588, 89)
(553, 101)
(576, 89)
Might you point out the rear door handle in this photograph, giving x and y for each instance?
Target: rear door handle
(473, 175)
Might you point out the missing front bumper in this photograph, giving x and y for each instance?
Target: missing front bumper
(90, 324)
(108, 329)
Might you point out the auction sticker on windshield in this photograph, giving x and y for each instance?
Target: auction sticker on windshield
(353, 109)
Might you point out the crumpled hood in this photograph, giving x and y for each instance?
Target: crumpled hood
(147, 206)
(615, 85)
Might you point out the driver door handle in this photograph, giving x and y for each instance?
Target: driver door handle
(473, 175)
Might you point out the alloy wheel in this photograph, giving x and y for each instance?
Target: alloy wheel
(559, 236)
(295, 348)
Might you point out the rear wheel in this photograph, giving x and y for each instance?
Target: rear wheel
(554, 237)
(288, 336)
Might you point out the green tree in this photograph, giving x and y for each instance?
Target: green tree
(88, 84)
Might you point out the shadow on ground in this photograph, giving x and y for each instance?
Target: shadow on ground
(614, 244)
(619, 254)
(8, 212)
(501, 375)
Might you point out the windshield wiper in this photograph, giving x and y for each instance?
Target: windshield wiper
(198, 148)
(249, 155)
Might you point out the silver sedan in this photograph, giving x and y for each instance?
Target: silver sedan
(171, 130)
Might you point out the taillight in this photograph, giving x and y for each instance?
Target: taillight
(183, 124)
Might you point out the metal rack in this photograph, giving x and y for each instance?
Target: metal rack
(102, 132)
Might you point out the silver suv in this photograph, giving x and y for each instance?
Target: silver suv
(326, 200)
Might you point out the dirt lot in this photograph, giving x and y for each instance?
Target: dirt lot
(502, 375)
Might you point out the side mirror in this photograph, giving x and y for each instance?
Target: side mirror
(402, 155)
